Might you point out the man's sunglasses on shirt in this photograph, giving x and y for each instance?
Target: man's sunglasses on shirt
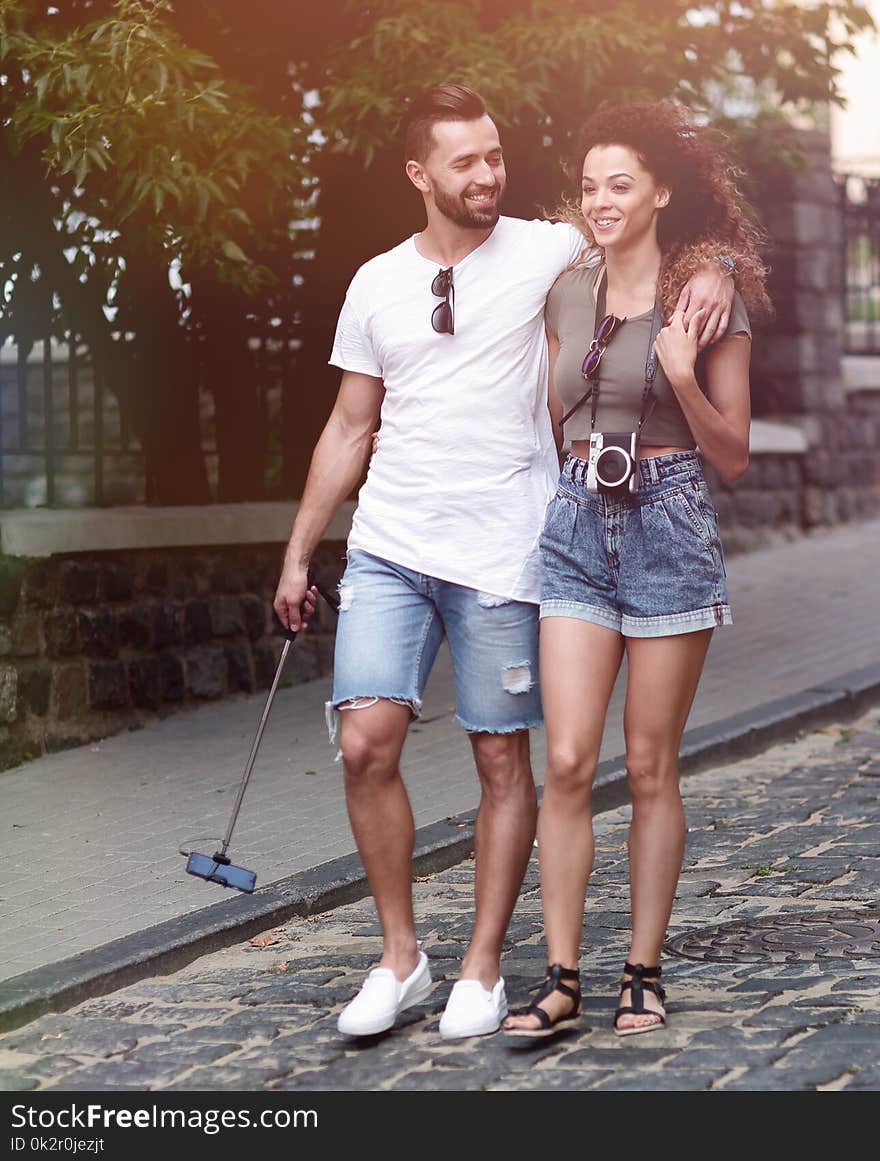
(442, 316)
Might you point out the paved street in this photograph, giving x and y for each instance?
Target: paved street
(772, 967)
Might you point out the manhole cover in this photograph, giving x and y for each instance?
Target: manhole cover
(838, 934)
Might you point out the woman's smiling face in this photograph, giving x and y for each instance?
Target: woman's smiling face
(619, 196)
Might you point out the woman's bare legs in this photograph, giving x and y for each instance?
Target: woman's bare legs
(579, 665)
(663, 674)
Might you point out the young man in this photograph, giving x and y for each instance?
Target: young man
(443, 337)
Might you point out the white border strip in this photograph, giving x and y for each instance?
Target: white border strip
(45, 531)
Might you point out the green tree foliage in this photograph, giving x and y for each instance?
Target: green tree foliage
(549, 61)
(541, 65)
(127, 154)
(144, 133)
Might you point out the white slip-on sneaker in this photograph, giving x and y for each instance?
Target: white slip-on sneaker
(473, 1010)
(382, 998)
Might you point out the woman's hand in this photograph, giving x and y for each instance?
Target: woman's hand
(719, 418)
(677, 344)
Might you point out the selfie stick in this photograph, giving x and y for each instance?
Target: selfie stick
(219, 868)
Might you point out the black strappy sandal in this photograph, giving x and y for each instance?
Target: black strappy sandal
(638, 985)
(556, 973)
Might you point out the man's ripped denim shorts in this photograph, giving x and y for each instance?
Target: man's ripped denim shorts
(391, 623)
(647, 564)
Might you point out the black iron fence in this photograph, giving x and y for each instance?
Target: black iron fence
(65, 441)
(860, 211)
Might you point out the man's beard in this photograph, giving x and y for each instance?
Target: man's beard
(456, 209)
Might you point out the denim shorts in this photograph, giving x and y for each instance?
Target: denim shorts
(647, 564)
(391, 624)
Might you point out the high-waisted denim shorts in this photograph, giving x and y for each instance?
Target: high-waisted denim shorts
(648, 564)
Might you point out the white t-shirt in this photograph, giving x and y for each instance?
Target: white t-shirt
(466, 462)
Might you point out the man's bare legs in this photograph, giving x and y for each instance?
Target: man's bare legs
(371, 740)
(505, 831)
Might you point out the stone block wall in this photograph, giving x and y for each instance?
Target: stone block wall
(782, 496)
(763, 507)
(797, 368)
(842, 469)
(91, 644)
(796, 361)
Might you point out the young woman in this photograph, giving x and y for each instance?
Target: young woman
(632, 562)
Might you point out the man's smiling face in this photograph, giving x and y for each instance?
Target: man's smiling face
(465, 172)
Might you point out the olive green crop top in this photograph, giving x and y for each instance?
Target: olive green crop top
(570, 314)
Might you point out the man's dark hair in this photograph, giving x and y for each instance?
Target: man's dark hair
(439, 103)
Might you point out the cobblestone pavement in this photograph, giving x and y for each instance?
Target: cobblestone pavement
(772, 966)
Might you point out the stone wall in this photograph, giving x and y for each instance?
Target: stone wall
(799, 372)
(842, 468)
(834, 480)
(93, 644)
(797, 361)
(763, 507)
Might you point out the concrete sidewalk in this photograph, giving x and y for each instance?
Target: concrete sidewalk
(94, 889)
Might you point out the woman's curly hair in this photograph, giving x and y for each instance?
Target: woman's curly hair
(706, 214)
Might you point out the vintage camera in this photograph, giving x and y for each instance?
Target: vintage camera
(613, 465)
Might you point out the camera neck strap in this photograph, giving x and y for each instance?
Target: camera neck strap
(647, 405)
(648, 402)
